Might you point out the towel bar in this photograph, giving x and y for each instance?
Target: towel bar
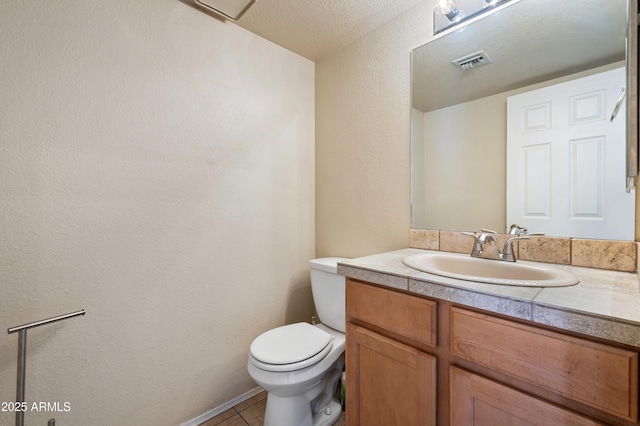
(22, 355)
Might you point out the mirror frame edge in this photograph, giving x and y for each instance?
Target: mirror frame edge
(632, 103)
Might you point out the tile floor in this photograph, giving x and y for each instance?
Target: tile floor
(249, 413)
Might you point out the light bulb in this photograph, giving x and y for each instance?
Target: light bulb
(447, 8)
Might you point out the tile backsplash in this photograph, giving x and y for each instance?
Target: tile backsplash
(600, 254)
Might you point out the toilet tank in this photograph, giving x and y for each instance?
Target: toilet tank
(328, 292)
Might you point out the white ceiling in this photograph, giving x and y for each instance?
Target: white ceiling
(315, 28)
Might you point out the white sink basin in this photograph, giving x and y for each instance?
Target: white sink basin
(465, 267)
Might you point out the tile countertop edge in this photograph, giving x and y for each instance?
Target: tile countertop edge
(499, 304)
(375, 277)
(524, 306)
(587, 324)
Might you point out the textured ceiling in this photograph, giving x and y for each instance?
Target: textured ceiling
(315, 28)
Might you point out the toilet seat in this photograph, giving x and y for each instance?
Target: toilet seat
(290, 347)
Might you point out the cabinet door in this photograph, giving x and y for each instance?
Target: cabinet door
(388, 383)
(478, 401)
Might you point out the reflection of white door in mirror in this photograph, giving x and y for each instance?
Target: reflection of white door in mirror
(564, 173)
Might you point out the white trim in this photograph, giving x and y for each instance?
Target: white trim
(222, 408)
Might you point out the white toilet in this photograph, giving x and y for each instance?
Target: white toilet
(299, 365)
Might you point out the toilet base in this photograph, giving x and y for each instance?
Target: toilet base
(299, 414)
(316, 407)
(330, 415)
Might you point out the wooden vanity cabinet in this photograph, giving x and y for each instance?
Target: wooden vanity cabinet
(415, 361)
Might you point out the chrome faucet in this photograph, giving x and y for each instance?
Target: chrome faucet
(486, 247)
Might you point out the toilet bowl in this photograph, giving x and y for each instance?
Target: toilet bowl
(299, 365)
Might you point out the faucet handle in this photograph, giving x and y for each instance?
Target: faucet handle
(507, 251)
(486, 235)
(477, 246)
(483, 231)
(516, 229)
(521, 231)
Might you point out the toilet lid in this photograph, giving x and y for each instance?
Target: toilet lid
(291, 344)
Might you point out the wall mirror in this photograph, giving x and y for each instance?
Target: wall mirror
(459, 113)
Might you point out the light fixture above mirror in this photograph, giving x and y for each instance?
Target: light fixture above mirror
(449, 13)
(231, 9)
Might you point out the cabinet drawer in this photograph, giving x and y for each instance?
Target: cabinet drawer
(399, 313)
(595, 374)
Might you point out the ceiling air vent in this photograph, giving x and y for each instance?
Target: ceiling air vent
(473, 60)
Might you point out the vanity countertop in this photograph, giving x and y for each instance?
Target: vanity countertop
(604, 304)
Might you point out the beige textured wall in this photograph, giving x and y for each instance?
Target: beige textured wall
(362, 139)
(157, 170)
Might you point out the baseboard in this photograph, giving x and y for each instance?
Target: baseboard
(222, 408)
